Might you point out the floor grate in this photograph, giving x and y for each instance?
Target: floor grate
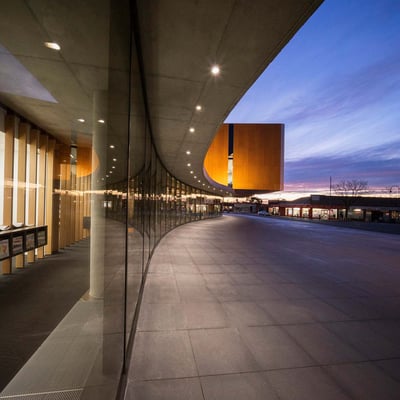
(73, 394)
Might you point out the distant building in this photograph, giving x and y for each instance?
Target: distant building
(368, 209)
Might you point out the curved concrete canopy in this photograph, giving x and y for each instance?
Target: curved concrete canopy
(180, 40)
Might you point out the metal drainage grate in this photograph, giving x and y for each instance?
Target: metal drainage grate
(73, 394)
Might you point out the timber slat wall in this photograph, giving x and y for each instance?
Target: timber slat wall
(39, 188)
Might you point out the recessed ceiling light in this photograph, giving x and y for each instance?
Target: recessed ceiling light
(114, 159)
(189, 165)
(204, 184)
(52, 45)
(191, 129)
(195, 177)
(198, 107)
(113, 166)
(191, 172)
(112, 146)
(81, 120)
(187, 151)
(215, 70)
(199, 181)
(101, 121)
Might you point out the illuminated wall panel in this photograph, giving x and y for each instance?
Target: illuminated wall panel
(258, 157)
(216, 161)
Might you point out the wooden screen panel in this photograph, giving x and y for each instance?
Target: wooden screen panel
(258, 157)
(31, 192)
(41, 179)
(23, 133)
(216, 161)
(9, 125)
(49, 195)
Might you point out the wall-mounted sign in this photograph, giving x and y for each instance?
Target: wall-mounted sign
(41, 238)
(17, 244)
(30, 242)
(4, 249)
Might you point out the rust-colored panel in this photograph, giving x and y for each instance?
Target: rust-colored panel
(258, 157)
(216, 161)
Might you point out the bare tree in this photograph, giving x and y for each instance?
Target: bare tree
(350, 191)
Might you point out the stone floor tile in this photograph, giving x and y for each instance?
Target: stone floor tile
(217, 278)
(259, 292)
(167, 389)
(322, 345)
(305, 384)
(245, 279)
(204, 315)
(273, 348)
(286, 311)
(162, 355)
(355, 307)
(365, 381)
(248, 386)
(196, 294)
(161, 317)
(271, 277)
(292, 291)
(359, 335)
(161, 289)
(210, 268)
(234, 268)
(226, 292)
(185, 269)
(390, 367)
(221, 351)
(246, 313)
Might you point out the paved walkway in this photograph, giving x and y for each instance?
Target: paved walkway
(33, 300)
(260, 308)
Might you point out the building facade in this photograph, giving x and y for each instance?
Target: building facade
(107, 110)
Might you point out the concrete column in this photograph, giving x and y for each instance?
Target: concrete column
(97, 226)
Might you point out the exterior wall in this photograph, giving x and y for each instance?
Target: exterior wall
(257, 157)
(115, 190)
(216, 161)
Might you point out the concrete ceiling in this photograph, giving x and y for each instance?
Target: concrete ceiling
(181, 40)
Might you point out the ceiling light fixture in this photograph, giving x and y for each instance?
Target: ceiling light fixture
(81, 120)
(52, 45)
(188, 152)
(189, 165)
(101, 121)
(114, 159)
(191, 129)
(112, 146)
(215, 70)
(198, 107)
(191, 172)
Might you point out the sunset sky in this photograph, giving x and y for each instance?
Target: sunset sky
(336, 87)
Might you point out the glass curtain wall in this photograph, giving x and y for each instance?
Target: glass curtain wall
(108, 188)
